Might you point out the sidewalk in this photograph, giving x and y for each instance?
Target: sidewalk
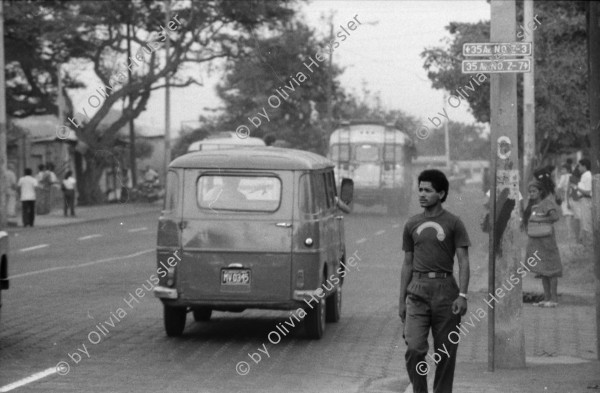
(560, 349)
(88, 214)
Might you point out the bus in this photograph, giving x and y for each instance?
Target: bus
(378, 158)
(224, 140)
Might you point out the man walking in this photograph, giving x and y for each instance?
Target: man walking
(429, 295)
(27, 185)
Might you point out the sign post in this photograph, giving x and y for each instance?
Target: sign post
(506, 339)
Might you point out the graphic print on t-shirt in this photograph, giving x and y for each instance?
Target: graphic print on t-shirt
(441, 235)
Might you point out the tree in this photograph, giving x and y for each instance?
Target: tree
(560, 75)
(271, 90)
(42, 35)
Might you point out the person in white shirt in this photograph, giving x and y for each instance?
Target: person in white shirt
(26, 189)
(584, 189)
(11, 192)
(562, 191)
(68, 188)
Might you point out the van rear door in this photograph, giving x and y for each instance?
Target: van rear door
(236, 236)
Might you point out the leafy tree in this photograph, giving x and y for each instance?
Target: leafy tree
(42, 35)
(560, 74)
(272, 80)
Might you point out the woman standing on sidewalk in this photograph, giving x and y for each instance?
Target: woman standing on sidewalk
(68, 189)
(539, 215)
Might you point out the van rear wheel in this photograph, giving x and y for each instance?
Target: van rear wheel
(174, 318)
(202, 314)
(334, 306)
(315, 319)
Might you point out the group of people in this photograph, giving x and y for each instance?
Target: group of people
(574, 191)
(574, 196)
(432, 299)
(34, 192)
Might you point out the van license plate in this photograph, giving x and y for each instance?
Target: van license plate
(235, 277)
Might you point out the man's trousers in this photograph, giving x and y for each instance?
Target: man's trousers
(28, 212)
(429, 306)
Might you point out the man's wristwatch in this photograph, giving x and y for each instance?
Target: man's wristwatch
(463, 295)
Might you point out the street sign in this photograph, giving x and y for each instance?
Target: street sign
(496, 66)
(500, 48)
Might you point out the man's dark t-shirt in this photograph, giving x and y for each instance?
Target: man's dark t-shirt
(433, 241)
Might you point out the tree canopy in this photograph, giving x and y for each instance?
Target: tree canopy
(561, 101)
(40, 36)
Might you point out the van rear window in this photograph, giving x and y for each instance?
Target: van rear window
(245, 193)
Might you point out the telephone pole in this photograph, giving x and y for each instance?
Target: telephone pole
(167, 98)
(509, 337)
(593, 25)
(528, 104)
(132, 162)
(3, 127)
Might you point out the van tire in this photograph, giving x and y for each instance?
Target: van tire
(334, 305)
(202, 314)
(174, 318)
(315, 319)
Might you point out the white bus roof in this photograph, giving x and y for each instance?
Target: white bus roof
(225, 140)
(364, 133)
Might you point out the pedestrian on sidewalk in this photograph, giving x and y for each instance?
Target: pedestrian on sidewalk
(26, 188)
(539, 215)
(44, 179)
(562, 190)
(430, 298)
(583, 189)
(11, 191)
(68, 189)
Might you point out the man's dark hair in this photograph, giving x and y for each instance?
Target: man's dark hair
(41, 167)
(586, 163)
(28, 172)
(437, 179)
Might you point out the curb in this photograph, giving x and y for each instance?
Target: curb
(18, 229)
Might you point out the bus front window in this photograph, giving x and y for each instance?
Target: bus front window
(366, 153)
(340, 152)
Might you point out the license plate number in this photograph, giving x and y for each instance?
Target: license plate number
(235, 277)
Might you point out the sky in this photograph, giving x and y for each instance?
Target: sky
(383, 53)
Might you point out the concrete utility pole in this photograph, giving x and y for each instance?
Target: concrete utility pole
(593, 21)
(528, 104)
(167, 98)
(3, 127)
(509, 339)
(132, 161)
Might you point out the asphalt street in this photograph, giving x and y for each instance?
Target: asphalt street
(72, 302)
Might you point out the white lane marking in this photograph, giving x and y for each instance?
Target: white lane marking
(380, 232)
(396, 226)
(359, 241)
(137, 229)
(27, 380)
(89, 236)
(34, 247)
(52, 269)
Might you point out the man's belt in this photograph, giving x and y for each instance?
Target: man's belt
(431, 275)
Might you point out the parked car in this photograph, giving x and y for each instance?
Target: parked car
(3, 263)
(251, 228)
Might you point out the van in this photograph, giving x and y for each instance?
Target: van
(252, 228)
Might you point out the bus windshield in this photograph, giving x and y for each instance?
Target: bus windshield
(366, 153)
(340, 152)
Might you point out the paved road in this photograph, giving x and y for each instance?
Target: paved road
(69, 282)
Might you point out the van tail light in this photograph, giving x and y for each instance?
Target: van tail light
(170, 276)
(300, 279)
